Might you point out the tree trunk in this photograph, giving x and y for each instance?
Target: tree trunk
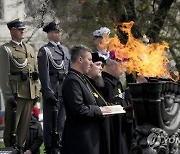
(159, 18)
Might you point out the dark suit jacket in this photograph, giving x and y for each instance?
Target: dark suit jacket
(81, 131)
(35, 136)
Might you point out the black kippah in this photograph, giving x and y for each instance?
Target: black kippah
(96, 57)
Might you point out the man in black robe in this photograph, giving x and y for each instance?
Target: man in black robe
(81, 130)
(119, 134)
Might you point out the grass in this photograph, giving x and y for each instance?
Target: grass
(41, 148)
(1, 145)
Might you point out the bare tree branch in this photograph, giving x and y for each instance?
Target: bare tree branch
(159, 18)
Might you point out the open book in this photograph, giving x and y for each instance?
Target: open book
(115, 109)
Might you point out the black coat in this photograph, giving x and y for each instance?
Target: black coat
(112, 86)
(35, 136)
(115, 140)
(81, 130)
(105, 141)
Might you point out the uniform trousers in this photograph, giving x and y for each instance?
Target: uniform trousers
(23, 116)
(47, 120)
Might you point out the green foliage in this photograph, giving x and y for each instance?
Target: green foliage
(88, 11)
(41, 148)
(1, 145)
(79, 18)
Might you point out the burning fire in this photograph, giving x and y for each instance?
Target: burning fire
(147, 59)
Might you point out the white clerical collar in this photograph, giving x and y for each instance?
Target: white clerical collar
(104, 55)
(55, 43)
(17, 42)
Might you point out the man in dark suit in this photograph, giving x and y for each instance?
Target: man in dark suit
(19, 83)
(53, 64)
(81, 130)
(35, 135)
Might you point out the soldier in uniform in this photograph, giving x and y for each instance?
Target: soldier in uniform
(53, 64)
(19, 83)
(101, 41)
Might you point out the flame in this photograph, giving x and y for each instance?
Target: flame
(119, 48)
(147, 59)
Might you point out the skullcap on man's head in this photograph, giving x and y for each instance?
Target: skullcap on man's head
(52, 26)
(18, 24)
(96, 58)
(102, 31)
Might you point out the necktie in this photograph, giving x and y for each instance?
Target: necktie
(60, 48)
(23, 47)
(20, 44)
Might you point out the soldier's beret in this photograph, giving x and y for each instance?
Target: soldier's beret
(16, 24)
(96, 58)
(51, 27)
(102, 31)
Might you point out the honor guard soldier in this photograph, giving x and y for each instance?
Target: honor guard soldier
(101, 40)
(19, 84)
(53, 64)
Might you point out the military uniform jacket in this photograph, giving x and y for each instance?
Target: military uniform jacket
(10, 74)
(53, 64)
(81, 131)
